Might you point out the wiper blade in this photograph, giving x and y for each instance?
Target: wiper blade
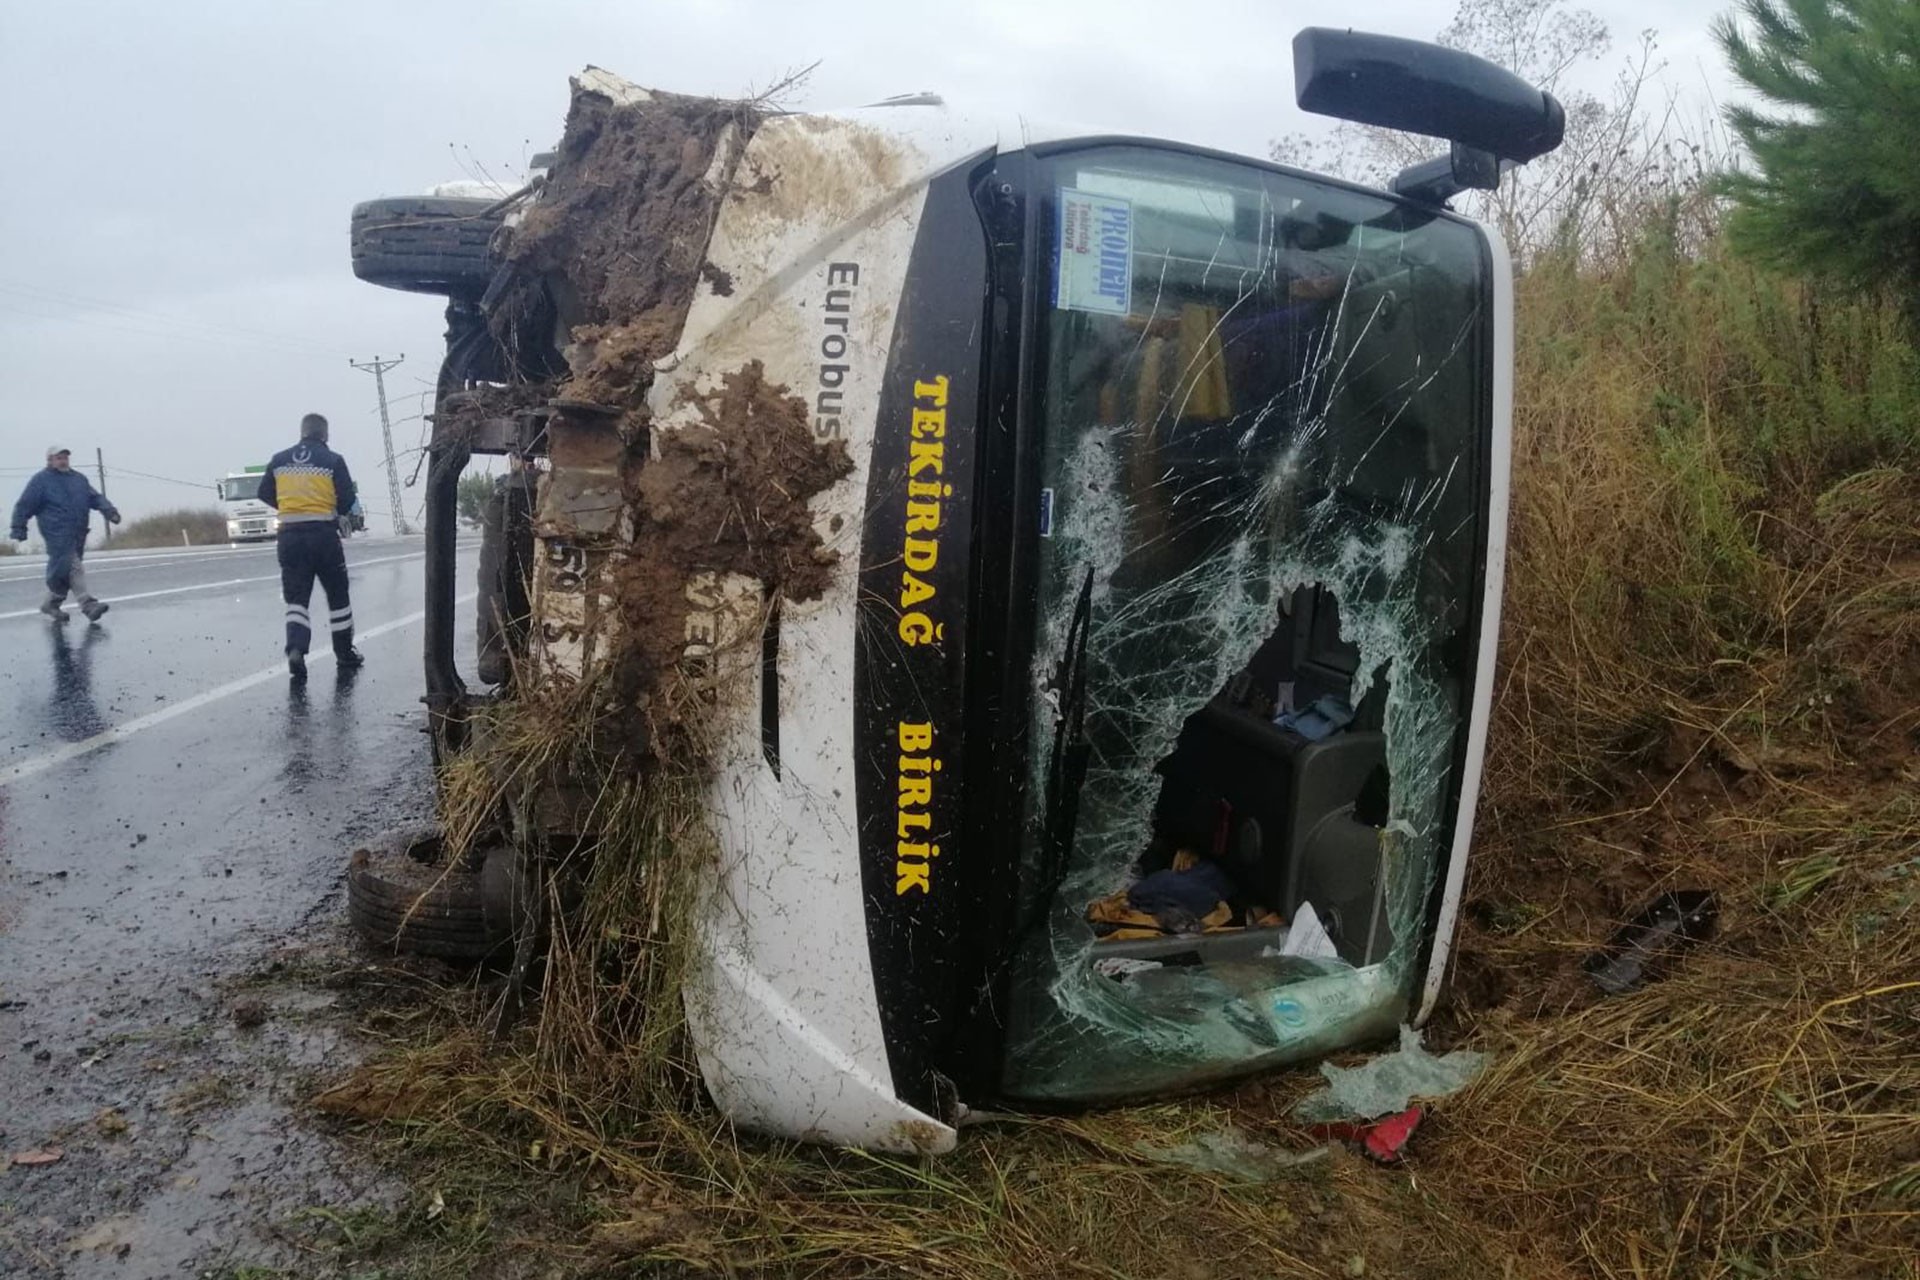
(1066, 774)
(1067, 768)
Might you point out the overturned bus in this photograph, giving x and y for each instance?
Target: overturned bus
(1127, 733)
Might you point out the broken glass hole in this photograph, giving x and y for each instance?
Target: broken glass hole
(1272, 800)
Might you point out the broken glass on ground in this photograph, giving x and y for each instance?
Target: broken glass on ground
(1387, 1084)
(1266, 467)
(1232, 1152)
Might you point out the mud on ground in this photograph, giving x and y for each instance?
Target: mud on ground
(185, 1149)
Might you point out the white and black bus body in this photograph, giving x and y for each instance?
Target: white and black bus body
(1152, 444)
(1172, 546)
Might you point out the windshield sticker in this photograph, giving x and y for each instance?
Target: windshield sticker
(1046, 513)
(1095, 253)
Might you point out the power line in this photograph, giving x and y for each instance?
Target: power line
(147, 475)
(40, 293)
(184, 335)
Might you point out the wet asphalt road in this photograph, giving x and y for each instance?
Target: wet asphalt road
(171, 810)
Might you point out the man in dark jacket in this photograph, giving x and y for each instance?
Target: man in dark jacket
(59, 499)
(310, 487)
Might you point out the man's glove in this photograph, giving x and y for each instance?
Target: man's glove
(17, 535)
(113, 515)
(344, 524)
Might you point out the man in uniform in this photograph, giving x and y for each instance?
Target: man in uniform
(310, 486)
(60, 498)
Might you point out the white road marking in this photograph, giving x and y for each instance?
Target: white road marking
(95, 564)
(209, 586)
(174, 710)
(122, 561)
(102, 560)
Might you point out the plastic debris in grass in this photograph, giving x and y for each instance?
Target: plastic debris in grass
(1384, 1141)
(1646, 944)
(1389, 1083)
(1236, 1154)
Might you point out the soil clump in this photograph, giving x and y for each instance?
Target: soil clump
(616, 247)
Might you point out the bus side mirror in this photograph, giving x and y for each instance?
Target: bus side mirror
(1428, 89)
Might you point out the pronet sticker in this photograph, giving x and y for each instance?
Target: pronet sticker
(1095, 271)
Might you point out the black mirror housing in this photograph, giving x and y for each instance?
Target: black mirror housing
(1437, 181)
(1424, 88)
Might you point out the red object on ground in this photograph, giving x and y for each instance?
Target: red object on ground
(1384, 1140)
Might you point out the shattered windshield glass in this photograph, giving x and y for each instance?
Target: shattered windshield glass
(1266, 404)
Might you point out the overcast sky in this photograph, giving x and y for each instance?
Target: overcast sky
(174, 286)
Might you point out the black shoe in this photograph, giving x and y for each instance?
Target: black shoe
(94, 608)
(296, 664)
(349, 659)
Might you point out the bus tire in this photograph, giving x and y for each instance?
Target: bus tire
(424, 244)
(402, 897)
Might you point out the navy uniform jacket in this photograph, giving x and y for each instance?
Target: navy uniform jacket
(60, 500)
(307, 482)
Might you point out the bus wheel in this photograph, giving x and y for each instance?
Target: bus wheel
(402, 896)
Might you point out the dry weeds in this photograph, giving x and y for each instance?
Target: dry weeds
(1710, 657)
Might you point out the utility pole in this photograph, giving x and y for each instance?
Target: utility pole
(100, 466)
(378, 368)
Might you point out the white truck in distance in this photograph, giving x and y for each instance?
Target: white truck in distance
(248, 518)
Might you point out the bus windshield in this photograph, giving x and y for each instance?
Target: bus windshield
(1266, 410)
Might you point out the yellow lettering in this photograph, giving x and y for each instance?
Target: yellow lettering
(925, 455)
(920, 554)
(913, 857)
(913, 591)
(923, 517)
(918, 628)
(935, 391)
(929, 422)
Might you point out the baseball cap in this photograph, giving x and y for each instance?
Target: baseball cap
(53, 450)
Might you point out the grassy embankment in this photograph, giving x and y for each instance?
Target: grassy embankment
(201, 526)
(1710, 677)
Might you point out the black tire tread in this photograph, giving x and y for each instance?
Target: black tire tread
(424, 244)
(397, 903)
